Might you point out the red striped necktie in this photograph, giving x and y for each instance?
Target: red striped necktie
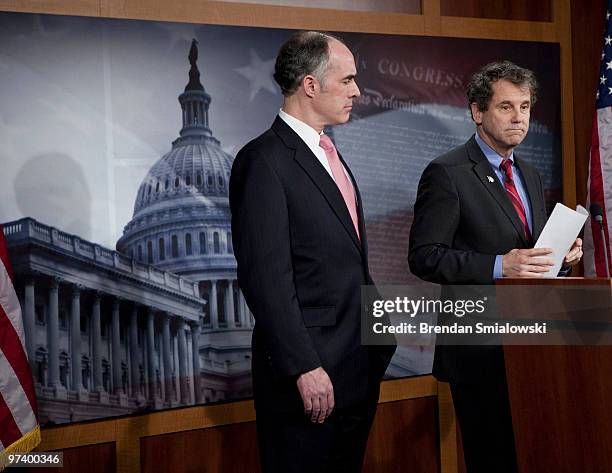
(506, 167)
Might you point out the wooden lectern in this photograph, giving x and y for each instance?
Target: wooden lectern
(561, 401)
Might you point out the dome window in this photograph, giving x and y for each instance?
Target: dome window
(176, 182)
(150, 252)
(216, 243)
(162, 249)
(157, 187)
(230, 248)
(220, 180)
(149, 191)
(174, 246)
(188, 179)
(209, 180)
(188, 249)
(167, 184)
(203, 243)
(139, 252)
(199, 179)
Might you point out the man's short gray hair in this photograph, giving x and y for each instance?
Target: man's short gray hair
(304, 53)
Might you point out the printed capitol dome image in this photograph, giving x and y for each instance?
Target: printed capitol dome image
(181, 224)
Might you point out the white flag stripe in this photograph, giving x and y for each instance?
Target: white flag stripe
(15, 397)
(10, 303)
(604, 128)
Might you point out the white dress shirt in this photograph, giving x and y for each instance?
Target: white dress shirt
(311, 137)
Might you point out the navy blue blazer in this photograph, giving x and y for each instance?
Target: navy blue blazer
(300, 266)
(462, 220)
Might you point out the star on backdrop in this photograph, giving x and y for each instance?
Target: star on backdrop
(259, 75)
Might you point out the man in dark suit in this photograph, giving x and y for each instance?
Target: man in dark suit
(478, 212)
(300, 242)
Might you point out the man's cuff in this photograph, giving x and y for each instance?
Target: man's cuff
(564, 271)
(497, 267)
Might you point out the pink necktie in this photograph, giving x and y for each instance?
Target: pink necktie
(342, 181)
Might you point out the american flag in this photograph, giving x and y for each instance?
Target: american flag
(600, 166)
(19, 430)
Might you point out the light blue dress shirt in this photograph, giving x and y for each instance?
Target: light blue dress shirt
(495, 161)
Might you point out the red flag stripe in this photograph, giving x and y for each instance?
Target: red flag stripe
(16, 356)
(9, 432)
(12, 347)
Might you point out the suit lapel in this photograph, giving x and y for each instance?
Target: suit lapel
(484, 171)
(538, 210)
(319, 176)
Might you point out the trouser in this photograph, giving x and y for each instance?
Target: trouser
(483, 412)
(290, 443)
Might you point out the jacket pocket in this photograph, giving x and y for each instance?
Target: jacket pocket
(319, 316)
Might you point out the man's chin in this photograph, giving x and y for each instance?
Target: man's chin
(515, 140)
(344, 118)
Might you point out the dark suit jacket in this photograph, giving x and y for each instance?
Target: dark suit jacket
(461, 222)
(300, 267)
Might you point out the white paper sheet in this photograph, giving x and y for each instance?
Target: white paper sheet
(560, 232)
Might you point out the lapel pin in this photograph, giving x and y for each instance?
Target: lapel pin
(490, 179)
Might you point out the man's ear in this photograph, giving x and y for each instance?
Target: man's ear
(310, 84)
(476, 113)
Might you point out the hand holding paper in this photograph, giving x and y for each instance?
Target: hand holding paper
(560, 235)
(526, 263)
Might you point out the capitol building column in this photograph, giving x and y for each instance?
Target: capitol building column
(169, 391)
(195, 358)
(30, 318)
(96, 330)
(116, 353)
(134, 353)
(183, 381)
(53, 340)
(214, 314)
(151, 379)
(230, 316)
(75, 343)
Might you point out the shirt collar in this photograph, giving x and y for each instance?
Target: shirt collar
(309, 135)
(492, 156)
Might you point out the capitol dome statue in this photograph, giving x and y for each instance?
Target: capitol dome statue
(181, 224)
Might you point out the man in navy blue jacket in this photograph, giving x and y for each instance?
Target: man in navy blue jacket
(478, 212)
(301, 246)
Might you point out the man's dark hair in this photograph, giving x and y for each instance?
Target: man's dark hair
(305, 52)
(480, 88)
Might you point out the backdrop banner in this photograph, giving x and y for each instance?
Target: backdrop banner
(117, 140)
